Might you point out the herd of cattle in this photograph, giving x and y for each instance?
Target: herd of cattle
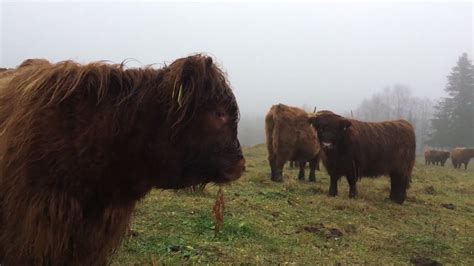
(348, 147)
(80, 145)
(459, 156)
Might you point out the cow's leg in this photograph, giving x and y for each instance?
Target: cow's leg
(352, 180)
(271, 161)
(317, 163)
(312, 169)
(301, 173)
(465, 164)
(398, 187)
(292, 164)
(333, 186)
(277, 171)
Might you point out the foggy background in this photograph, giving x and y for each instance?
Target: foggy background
(339, 56)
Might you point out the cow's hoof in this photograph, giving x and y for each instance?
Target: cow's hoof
(397, 199)
(277, 179)
(312, 179)
(332, 194)
(352, 194)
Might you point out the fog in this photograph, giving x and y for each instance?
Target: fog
(304, 54)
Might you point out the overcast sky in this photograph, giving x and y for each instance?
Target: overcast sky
(328, 55)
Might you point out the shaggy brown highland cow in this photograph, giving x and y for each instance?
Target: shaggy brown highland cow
(461, 156)
(355, 149)
(81, 144)
(289, 137)
(436, 157)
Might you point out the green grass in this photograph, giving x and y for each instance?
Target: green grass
(295, 222)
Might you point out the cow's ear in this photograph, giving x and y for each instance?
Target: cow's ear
(208, 61)
(345, 124)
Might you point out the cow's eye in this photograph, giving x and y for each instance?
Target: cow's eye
(219, 114)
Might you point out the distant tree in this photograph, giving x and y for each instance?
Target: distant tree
(422, 119)
(397, 102)
(440, 124)
(453, 124)
(400, 98)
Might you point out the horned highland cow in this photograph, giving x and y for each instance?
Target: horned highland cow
(355, 149)
(461, 156)
(289, 137)
(81, 144)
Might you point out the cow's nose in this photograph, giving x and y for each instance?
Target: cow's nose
(327, 145)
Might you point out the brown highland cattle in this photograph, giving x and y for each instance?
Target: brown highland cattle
(461, 156)
(81, 144)
(434, 157)
(355, 149)
(289, 137)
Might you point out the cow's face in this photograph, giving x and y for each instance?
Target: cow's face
(332, 129)
(203, 119)
(213, 150)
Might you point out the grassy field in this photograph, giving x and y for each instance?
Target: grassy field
(297, 223)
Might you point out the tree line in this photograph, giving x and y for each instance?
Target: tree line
(397, 102)
(444, 123)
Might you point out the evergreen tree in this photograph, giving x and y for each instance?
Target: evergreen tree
(441, 123)
(453, 124)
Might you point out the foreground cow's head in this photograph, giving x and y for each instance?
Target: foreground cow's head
(203, 116)
(332, 129)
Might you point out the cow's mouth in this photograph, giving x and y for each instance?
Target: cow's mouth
(233, 173)
(327, 145)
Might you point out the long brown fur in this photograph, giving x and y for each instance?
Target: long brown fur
(461, 156)
(81, 144)
(366, 149)
(290, 137)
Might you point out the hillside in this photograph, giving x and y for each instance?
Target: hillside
(296, 222)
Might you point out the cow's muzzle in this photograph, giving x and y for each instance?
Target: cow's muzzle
(327, 145)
